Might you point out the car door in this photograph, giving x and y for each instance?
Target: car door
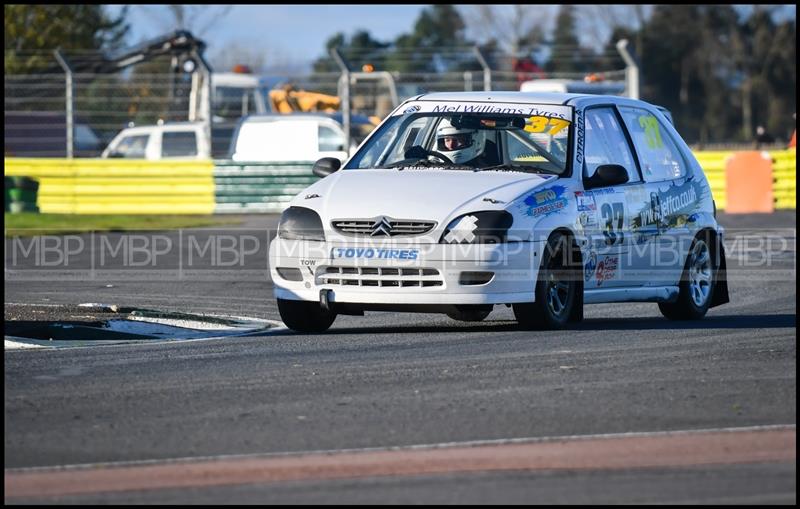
(604, 211)
(662, 218)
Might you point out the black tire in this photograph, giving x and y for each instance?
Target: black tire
(470, 313)
(556, 290)
(305, 316)
(696, 287)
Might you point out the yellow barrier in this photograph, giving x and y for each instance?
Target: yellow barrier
(104, 186)
(713, 164)
(118, 186)
(784, 173)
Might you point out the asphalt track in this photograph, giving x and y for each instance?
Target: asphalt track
(400, 380)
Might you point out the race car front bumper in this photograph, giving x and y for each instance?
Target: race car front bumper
(405, 274)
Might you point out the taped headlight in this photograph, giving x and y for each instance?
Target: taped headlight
(300, 223)
(488, 227)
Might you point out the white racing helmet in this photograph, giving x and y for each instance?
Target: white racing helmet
(465, 144)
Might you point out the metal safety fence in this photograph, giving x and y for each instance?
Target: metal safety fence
(36, 110)
(41, 107)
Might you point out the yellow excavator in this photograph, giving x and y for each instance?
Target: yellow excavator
(288, 99)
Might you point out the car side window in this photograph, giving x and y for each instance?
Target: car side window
(365, 158)
(330, 140)
(606, 143)
(660, 157)
(416, 136)
(131, 147)
(518, 151)
(178, 144)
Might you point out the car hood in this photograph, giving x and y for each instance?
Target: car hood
(415, 194)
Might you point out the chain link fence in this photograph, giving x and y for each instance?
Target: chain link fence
(36, 110)
(37, 105)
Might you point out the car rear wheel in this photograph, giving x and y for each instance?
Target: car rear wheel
(305, 316)
(556, 290)
(696, 286)
(470, 313)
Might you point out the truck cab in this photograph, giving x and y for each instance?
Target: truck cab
(238, 94)
(174, 141)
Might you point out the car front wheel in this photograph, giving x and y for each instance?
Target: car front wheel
(556, 289)
(305, 316)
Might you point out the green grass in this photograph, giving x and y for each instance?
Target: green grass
(25, 224)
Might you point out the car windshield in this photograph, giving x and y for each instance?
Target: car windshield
(471, 136)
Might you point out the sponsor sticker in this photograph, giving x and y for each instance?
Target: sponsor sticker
(669, 207)
(545, 201)
(591, 265)
(585, 201)
(587, 219)
(554, 116)
(369, 253)
(606, 269)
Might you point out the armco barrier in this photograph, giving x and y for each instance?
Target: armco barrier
(118, 186)
(259, 187)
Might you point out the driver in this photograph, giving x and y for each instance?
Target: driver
(463, 145)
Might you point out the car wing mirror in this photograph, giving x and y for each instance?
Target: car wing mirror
(326, 166)
(606, 175)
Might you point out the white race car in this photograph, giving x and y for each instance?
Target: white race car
(543, 202)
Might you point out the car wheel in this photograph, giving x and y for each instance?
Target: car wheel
(556, 289)
(305, 316)
(696, 286)
(467, 313)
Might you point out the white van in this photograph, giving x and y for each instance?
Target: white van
(174, 141)
(295, 137)
(574, 87)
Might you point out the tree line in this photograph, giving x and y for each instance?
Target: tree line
(722, 71)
